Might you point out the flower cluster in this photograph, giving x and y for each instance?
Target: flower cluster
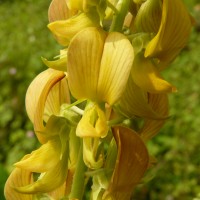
(96, 106)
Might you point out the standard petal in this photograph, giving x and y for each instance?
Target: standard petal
(115, 67)
(159, 103)
(64, 30)
(173, 33)
(84, 57)
(131, 164)
(18, 177)
(147, 77)
(58, 10)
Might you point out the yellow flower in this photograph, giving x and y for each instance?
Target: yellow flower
(47, 92)
(173, 33)
(99, 65)
(45, 95)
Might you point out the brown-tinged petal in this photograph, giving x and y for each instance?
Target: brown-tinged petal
(131, 164)
(58, 10)
(135, 103)
(44, 97)
(159, 103)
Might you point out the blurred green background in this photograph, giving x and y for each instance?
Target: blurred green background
(24, 38)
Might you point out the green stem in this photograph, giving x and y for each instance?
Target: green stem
(78, 184)
(118, 19)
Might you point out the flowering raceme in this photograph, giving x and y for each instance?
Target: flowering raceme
(96, 106)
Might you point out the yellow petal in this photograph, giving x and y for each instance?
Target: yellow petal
(91, 156)
(75, 4)
(50, 180)
(149, 16)
(64, 30)
(131, 164)
(44, 98)
(173, 33)
(59, 64)
(147, 77)
(159, 103)
(115, 67)
(59, 192)
(43, 159)
(18, 177)
(58, 10)
(96, 70)
(135, 103)
(36, 89)
(84, 57)
(93, 123)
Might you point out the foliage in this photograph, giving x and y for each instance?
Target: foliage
(24, 40)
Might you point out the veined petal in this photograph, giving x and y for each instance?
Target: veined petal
(159, 103)
(96, 70)
(115, 67)
(173, 33)
(147, 77)
(131, 164)
(45, 96)
(84, 57)
(36, 89)
(64, 30)
(43, 159)
(57, 95)
(58, 10)
(135, 103)
(148, 17)
(18, 177)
